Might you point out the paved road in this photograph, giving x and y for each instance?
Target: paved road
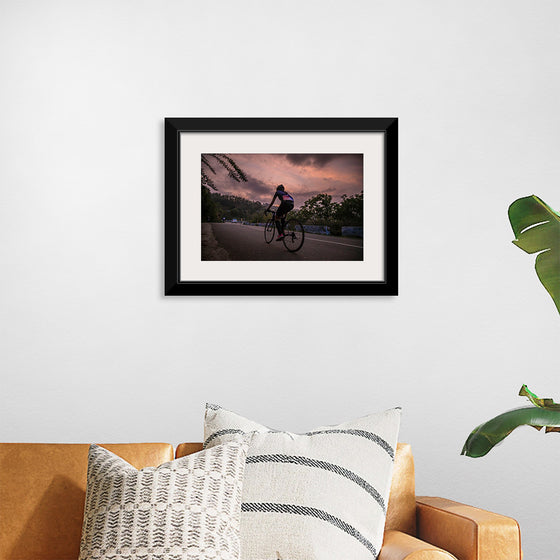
(246, 243)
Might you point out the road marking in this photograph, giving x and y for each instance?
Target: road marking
(322, 240)
(333, 242)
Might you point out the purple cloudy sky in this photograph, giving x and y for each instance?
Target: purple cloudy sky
(303, 176)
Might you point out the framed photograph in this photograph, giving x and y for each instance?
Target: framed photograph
(281, 206)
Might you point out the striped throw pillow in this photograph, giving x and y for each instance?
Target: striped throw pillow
(187, 509)
(313, 496)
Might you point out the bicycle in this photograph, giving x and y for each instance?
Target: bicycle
(294, 234)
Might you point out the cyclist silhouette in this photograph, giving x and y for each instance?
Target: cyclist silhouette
(286, 204)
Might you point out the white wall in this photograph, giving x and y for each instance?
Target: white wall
(92, 351)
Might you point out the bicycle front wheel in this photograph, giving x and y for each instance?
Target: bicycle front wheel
(269, 231)
(294, 235)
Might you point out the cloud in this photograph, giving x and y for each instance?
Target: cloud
(310, 160)
(258, 187)
(304, 176)
(253, 189)
(321, 160)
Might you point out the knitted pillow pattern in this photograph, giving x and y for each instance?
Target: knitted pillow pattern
(185, 509)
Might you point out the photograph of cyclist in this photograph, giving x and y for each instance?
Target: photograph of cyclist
(317, 216)
(286, 204)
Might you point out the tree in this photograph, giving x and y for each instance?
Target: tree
(234, 171)
(318, 209)
(209, 210)
(350, 212)
(230, 207)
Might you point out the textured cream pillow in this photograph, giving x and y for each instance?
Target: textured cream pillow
(321, 495)
(187, 509)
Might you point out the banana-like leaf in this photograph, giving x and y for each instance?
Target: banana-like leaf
(537, 401)
(536, 227)
(487, 435)
(545, 413)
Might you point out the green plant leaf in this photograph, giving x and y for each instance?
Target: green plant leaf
(536, 227)
(483, 438)
(543, 413)
(537, 401)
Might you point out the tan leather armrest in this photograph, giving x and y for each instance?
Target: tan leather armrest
(400, 546)
(467, 532)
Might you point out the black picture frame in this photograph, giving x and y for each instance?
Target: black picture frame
(175, 286)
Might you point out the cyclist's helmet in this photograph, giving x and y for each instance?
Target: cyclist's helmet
(280, 188)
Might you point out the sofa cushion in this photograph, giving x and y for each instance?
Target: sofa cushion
(322, 494)
(401, 509)
(186, 509)
(42, 492)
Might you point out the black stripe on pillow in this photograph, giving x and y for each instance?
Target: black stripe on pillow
(360, 433)
(312, 512)
(315, 463)
(221, 433)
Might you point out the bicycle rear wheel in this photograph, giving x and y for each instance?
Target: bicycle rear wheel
(269, 231)
(294, 235)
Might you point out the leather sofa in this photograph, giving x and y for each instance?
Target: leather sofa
(42, 492)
